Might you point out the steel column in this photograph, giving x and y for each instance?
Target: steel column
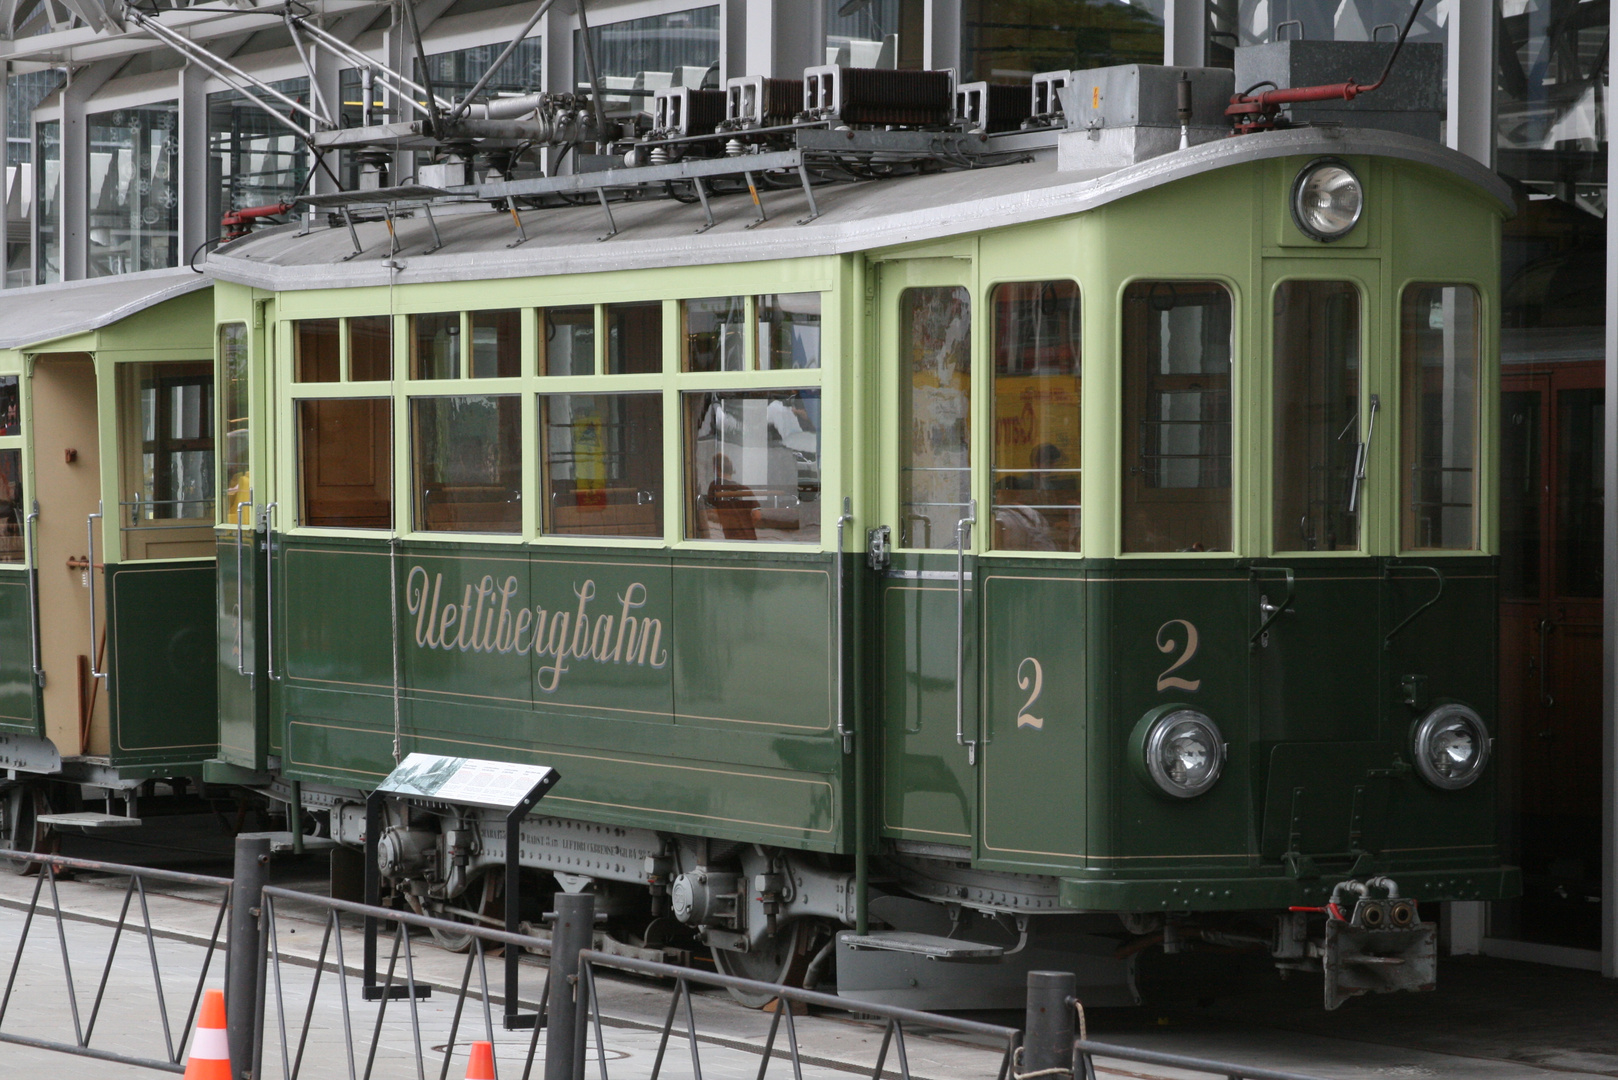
(1048, 1029)
(241, 987)
(1609, 664)
(573, 932)
(1472, 68)
(1185, 33)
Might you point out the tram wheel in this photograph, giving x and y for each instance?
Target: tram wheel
(479, 902)
(24, 803)
(781, 960)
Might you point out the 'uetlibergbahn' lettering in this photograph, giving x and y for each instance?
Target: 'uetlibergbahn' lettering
(485, 621)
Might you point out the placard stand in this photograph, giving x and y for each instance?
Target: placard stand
(492, 785)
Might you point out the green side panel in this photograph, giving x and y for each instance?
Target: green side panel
(162, 682)
(1479, 880)
(1325, 798)
(577, 663)
(929, 791)
(1036, 723)
(243, 719)
(1316, 669)
(19, 693)
(1179, 635)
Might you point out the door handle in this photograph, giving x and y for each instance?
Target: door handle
(963, 529)
(1546, 698)
(843, 729)
(268, 518)
(90, 576)
(241, 642)
(31, 523)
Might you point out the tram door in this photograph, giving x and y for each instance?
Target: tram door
(1550, 648)
(924, 331)
(67, 478)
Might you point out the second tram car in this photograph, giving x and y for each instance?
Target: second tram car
(944, 570)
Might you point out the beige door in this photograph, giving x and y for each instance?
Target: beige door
(67, 472)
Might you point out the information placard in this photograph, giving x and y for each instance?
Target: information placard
(498, 785)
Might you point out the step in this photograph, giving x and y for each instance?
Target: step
(930, 946)
(281, 842)
(88, 819)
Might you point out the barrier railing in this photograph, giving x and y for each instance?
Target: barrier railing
(49, 868)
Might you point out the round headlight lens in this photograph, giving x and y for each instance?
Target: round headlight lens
(1451, 747)
(1184, 753)
(1327, 199)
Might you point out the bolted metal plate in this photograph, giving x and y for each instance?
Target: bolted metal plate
(28, 754)
(88, 819)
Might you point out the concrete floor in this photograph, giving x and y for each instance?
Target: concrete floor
(1488, 1019)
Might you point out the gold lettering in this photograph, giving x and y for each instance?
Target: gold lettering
(416, 600)
(651, 636)
(505, 635)
(601, 640)
(524, 617)
(461, 640)
(631, 598)
(445, 621)
(485, 592)
(581, 622)
(557, 648)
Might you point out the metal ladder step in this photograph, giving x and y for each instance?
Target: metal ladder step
(931, 946)
(88, 819)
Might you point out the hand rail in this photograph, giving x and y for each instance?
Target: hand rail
(31, 524)
(1272, 612)
(90, 579)
(268, 518)
(842, 724)
(1546, 697)
(241, 641)
(1438, 575)
(963, 529)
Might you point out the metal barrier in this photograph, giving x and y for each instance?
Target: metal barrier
(49, 867)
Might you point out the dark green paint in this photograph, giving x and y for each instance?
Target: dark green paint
(19, 693)
(243, 704)
(162, 683)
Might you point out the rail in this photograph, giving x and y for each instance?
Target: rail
(48, 868)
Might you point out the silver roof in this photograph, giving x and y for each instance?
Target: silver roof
(42, 313)
(854, 217)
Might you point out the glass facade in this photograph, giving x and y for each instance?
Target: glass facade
(876, 33)
(1010, 40)
(23, 95)
(1254, 22)
(638, 56)
(134, 198)
(253, 159)
(47, 202)
(457, 71)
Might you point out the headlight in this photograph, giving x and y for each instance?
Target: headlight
(1450, 746)
(1327, 199)
(1184, 752)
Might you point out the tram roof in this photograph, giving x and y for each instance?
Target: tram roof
(856, 216)
(43, 313)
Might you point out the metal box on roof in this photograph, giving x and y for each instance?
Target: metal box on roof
(1412, 101)
(1145, 95)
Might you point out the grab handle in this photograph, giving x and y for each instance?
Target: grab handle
(843, 731)
(963, 529)
(241, 642)
(31, 523)
(90, 579)
(268, 518)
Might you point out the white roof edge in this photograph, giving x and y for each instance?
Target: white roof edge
(1083, 192)
(43, 313)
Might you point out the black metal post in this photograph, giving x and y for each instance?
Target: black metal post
(574, 930)
(513, 1019)
(241, 987)
(1048, 1030)
(373, 887)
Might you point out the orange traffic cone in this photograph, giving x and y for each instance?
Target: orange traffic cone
(210, 1047)
(481, 1064)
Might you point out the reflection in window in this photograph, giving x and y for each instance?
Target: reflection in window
(47, 201)
(467, 457)
(788, 331)
(134, 204)
(635, 338)
(176, 425)
(10, 415)
(1580, 491)
(435, 346)
(370, 348)
(875, 34)
(315, 347)
(1004, 43)
(234, 423)
(715, 333)
(935, 414)
(25, 91)
(637, 56)
(345, 463)
(1037, 379)
(12, 513)
(1438, 408)
(1257, 22)
(496, 344)
(1176, 361)
(456, 72)
(253, 159)
(1317, 416)
(602, 462)
(752, 467)
(569, 347)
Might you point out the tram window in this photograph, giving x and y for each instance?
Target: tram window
(635, 338)
(435, 346)
(1037, 378)
(318, 357)
(935, 414)
(1438, 407)
(234, 422)
(496, 344)
(788, 331)
(467, 456)
(10, 420)
(1176, 432)
(370, 348)
(715, 333)
(1317, 416)
(345, 463)
(752, 465)
(570, 340)
(11, 506)
(166, 459)
(601, 456)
